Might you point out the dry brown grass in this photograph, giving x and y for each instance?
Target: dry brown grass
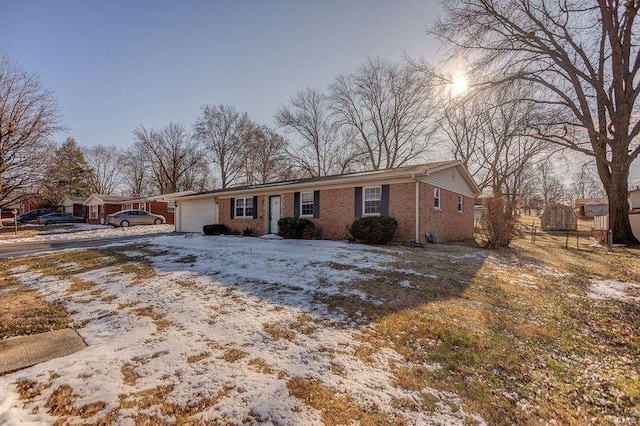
(337, 409)
(61, 404)
(279, 331)
(130, 376)
(196, 358)
(518, 341)
(22, 311)
(158, 318)
(233, 355)
(261, 366)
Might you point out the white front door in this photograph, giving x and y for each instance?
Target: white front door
(274, 213)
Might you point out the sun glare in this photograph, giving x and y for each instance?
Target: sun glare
(459, 84)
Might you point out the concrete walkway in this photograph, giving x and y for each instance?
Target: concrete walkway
(20, 352)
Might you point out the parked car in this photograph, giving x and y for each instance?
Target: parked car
(33, 215)
(51, 218)
(126, 218)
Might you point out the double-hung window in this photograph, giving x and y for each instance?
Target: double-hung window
(460, 204)
(372, 200)
(436, 198)
(244, 207)
(306, 203)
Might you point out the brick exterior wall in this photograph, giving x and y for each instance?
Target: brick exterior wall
(104, 210)
(337, 212)
(161, 208)
(446, 224)
(235, 224)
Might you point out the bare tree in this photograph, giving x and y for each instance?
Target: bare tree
(586, 185)
(108, 165)
(137, 177)
(489, 132)
(221, 128)
(171, 155)
(319, 149)
(461, 121)
(28, 117)
(387, 105)
(552, 189)
(265, 156)
(582, 57)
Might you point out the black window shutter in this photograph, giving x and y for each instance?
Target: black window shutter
(296, 204)
(384, 207)
(255, 206)
(358, 199)
(316, 204)
(233, 208)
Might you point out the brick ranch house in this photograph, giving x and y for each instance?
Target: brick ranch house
(101, 205)
(430, 201)
(74, 205)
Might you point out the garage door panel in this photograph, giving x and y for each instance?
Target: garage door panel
(193, 216)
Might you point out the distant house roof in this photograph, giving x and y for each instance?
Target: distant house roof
(405, 171)
(71, 199)
(97, 199)
(590, 201)
(162, 197)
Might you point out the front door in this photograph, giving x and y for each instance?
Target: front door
(274, 213)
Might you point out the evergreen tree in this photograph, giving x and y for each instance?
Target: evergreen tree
(67, 174)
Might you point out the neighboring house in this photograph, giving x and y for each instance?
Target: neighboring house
(159, 204)
(434, 201)
(587, 208)
(101, 205)
(74, 205)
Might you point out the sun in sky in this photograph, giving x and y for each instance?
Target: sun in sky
(459, 84)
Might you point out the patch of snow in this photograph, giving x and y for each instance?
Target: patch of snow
(73, 227)
(613, 290)
(232, 297)
(406, 284)
(90, 233)
(271, 237)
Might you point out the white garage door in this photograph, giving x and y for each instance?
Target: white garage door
(195, 214)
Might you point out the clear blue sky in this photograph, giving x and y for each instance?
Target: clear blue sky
(114, 65)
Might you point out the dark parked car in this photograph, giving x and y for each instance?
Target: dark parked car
(126, 218)
(51, 218)
(33, 215)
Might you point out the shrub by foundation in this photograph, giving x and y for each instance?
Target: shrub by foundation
(296, 228)
(216, 229)
(374, 229)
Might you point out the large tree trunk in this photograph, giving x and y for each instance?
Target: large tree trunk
(618, 193)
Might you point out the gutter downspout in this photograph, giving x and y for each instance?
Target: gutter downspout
(417, 215)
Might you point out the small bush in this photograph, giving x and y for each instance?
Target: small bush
(374, 229)
(247, 232)
(295, 228)
(498, 226)
(216, 229)
(312, 232)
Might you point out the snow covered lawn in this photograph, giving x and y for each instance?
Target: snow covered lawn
(223, 329)
(232, 330)
(82, 231)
